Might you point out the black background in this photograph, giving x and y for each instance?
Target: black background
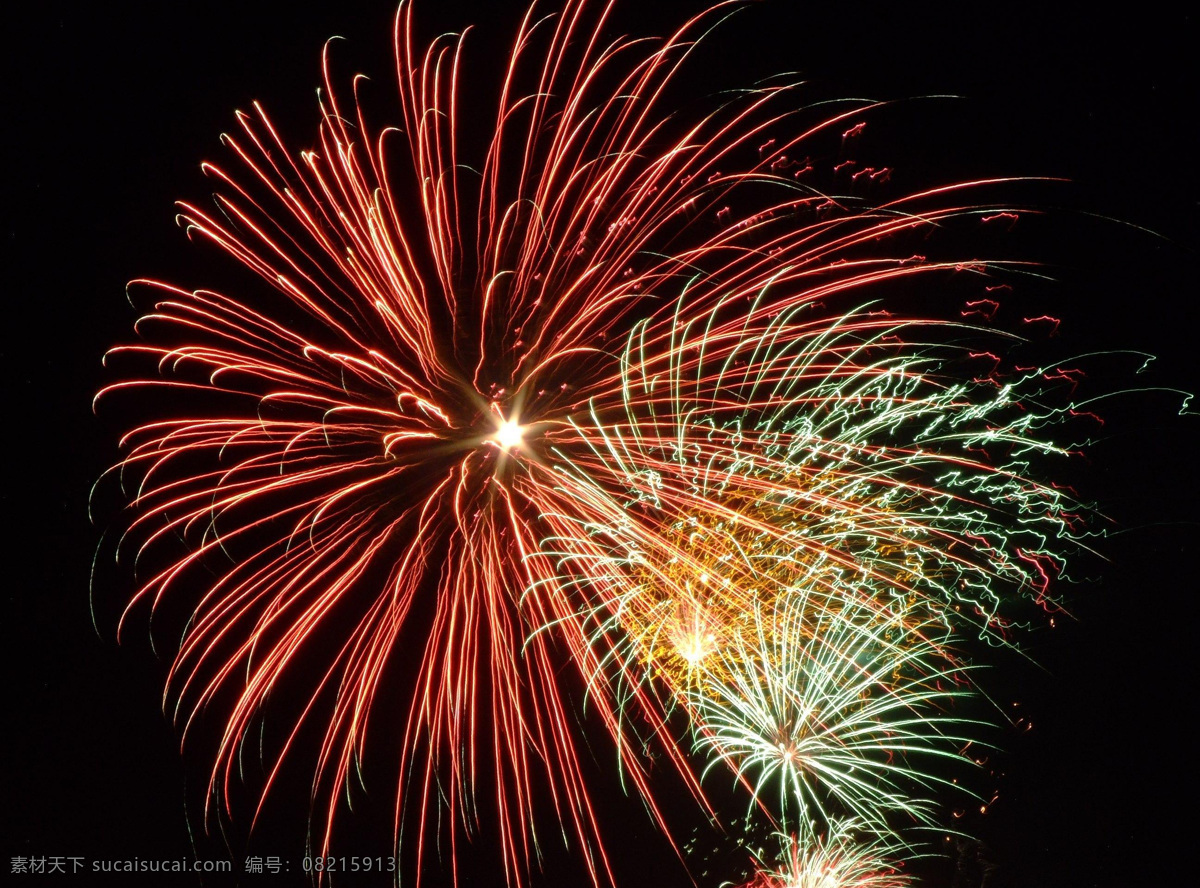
(110, 108)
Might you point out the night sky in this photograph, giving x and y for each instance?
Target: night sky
(117, 104)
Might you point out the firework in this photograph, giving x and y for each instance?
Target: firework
(821, 515)
(838, 859)
(577, 400)
(837, 708)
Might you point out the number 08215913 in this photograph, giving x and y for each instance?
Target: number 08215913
(349, 864)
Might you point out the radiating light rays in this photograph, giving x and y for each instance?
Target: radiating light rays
(610, 396)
